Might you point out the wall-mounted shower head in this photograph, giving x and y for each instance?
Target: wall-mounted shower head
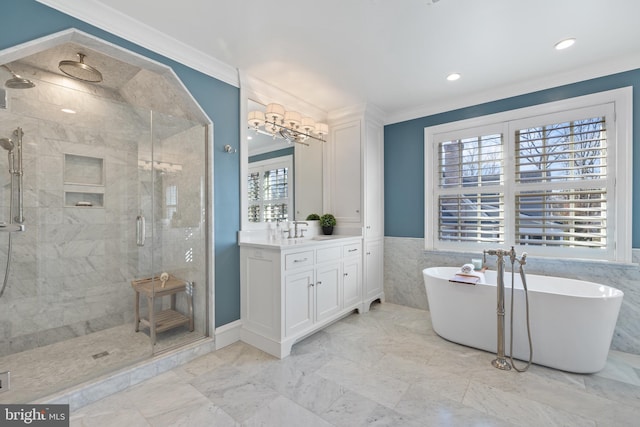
(80, 71)
(7, 144)
(17, 82)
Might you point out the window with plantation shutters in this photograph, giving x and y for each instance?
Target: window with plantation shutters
(275, 183)
(561, 184)
(470, 198)
(171, 201)
(551, 180)
(268, 189)
(255, 197)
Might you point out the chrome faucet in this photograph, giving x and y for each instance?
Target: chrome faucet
(302, 230)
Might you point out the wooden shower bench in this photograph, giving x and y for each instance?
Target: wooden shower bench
(151, 287)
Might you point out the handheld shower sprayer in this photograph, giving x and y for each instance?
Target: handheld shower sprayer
(522, 259)
(14, 150)
(7, 144)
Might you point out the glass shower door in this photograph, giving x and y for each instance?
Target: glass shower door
(175, 220)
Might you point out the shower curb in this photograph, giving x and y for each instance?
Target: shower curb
(91, 391)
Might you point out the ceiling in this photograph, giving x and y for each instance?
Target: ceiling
(396, 54)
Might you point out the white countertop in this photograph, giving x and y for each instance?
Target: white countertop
(319, 240)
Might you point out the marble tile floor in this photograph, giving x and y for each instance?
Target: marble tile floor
(383, 368)
(46, 370)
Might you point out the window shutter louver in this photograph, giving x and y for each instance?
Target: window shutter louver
(465, 164)
(566, 163)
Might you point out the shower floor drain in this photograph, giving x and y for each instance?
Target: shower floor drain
(99, 355)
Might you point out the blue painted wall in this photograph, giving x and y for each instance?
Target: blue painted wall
(25, 20)
(404, 151)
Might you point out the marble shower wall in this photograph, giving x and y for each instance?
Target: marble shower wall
(72, 268)
(405, 258)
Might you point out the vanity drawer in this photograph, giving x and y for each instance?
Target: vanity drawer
(298, 259)
(352, 249)
(328, 254)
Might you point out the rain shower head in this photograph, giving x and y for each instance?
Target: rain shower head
(17, 82)
(80, 71)
(7, 144)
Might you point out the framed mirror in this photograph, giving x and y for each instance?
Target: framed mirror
(283, 178)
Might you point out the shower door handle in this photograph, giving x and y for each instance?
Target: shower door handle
(141, 233)
(4, 227)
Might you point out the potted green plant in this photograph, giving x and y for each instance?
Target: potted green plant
(313, 217)
(327, 222)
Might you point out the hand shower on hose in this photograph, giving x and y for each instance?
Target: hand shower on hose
(14, 150)
(8, 145)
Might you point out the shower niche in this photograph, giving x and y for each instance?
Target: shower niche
(83, 181)
(116, 189)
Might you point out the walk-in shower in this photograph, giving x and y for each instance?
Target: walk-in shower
(136, 145)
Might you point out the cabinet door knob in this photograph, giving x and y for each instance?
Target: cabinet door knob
(345, 274)
(319, 283)
(312, 284)
(368, 253)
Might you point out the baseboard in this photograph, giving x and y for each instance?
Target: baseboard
(228, 334)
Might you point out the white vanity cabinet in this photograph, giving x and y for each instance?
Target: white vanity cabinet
(354, 176)
(345, 172)
(352, 275)
(373, 275)
(290, 291)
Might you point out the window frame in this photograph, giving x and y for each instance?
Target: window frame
(617, 102)
(269, 164)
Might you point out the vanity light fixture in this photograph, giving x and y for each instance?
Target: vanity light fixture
(276, 121)
(563, 44)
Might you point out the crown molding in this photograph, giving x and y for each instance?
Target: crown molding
(115, 22)
(265, 93)
(366, 110)
(601, 69)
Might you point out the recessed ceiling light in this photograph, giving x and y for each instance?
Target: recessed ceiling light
(453, 77)
(68, 111)
(563, 44)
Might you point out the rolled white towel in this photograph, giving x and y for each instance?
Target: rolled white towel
(467, 269)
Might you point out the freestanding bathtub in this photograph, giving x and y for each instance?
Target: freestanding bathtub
(572, 321)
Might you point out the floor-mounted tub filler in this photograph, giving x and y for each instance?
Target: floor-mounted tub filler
(572, 321)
